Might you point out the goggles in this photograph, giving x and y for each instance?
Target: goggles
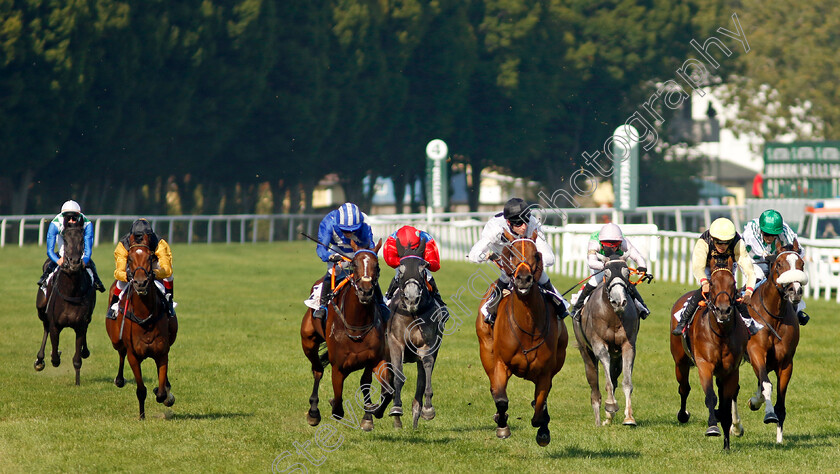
(71, 216)
(611, 244)
(516, 222)
(722, 243)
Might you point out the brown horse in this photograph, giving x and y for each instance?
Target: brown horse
(715, 342)
(68, 301)
(528, 339)
(143, 328)
(355, 338)
(606, 332)
(772, 349)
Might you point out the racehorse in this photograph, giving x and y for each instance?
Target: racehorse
(772, 349)
(355, 336)
(528, 339)
(143, 328)
(68, 301)
(715, 342)
(414, 332)
(606, 332)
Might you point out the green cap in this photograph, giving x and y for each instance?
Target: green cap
(771, 222)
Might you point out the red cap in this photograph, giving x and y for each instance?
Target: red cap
(408, 237)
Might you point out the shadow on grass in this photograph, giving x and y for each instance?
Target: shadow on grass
(575, 452)
(791, 441)
(411, 438)
(209, 416)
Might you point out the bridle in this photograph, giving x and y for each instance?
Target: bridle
(412, 281)
(141, 288)
(712, 297)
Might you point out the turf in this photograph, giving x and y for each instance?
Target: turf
(242, 387)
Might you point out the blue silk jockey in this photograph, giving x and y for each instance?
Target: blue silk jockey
(606, 242)
(337, 229)
(760, 237)
(516, 218)
(70, 212)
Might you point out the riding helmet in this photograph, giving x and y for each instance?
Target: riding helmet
(610, 233)
(350, 218)
(771, 222)
(408, 237)
(722, 229)
(516, 211)
(71, 206)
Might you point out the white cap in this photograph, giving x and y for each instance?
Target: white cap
(611, 232)
(71, 206)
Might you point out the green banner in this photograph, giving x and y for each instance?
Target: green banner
(437, 175)
(625, 149)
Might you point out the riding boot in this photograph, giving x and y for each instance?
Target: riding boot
(97, 283)
(688, 314)
(436, 292)
(321, 312)
(392, 288)
(751, 324)
(112, 313)
(49, 267)
(644, 312)
(377, 294)
(587, 290)
(169, 304)
(492, 303)
(803, 317)
(555, 298)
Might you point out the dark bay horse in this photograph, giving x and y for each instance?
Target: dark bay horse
(715, 342)
(606, 332)
(528, 340)
(772, 349)
(355, 336)
(414, 332)
(143, 328)
(68, 301)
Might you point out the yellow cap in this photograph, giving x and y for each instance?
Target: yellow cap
(722, 229)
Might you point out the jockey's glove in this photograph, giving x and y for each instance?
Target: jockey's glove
(335, 258)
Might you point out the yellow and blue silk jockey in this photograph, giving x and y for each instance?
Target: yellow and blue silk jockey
(337, 230)
(603, 244)
(721, 241)
(760, 236)
(162, 268)
(70, 212)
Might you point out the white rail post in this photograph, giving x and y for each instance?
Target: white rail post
(20, 232)
(41, 232)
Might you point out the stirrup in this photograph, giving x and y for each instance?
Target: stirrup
(803, 318)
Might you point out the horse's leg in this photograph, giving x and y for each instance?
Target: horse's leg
(764, 393)
(138, 379)
(56, 354)
(396, 347)
(77, 357)
(704, 370)
(610, 407)
(628, 356)
(162, 392)
(119, 380)
(428, 411)
(728, 391)
(367, 418)
(782, 380)
(737, 427)
(681, 369)
(590, 365)
(417, 402)
(541, 418)
(39, 358)
(385, 377)
(310, 341)
(338, 388)
(498, 389)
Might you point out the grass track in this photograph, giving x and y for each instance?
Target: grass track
(242, 385)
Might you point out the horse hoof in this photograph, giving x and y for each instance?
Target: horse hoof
(313, 418)
(629, 421)
(397, 423)
(367, 425)
(428, 413)
(119, 382)
(754, 404)
(713, 431)
(142, 417)
(170, 400)
(683, 416)
(736, 430)
(396, 411)
(503, 433)
(159, 398)
(39, 365)
(543, 436)
(85, 353)
(770, 418)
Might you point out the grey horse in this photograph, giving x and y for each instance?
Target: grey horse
(606, 332)
(415, 332)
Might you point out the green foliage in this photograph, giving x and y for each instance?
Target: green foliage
(242, 386)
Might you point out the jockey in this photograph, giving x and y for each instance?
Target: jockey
(517, 219)
(70, 212)
(760, 237)
(411, 238)
(162, 268)
(337, 229)
(602, 244)
(721, 240)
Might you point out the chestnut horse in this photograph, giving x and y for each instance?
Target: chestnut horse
(606, 332)
(143, 328)
(355, 337)
(528, 339)
(772, 349)
(68, 301)
(715, 342)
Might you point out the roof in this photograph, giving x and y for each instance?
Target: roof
(710, 189)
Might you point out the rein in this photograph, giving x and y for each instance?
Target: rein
(533, 335)
(349, 327)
